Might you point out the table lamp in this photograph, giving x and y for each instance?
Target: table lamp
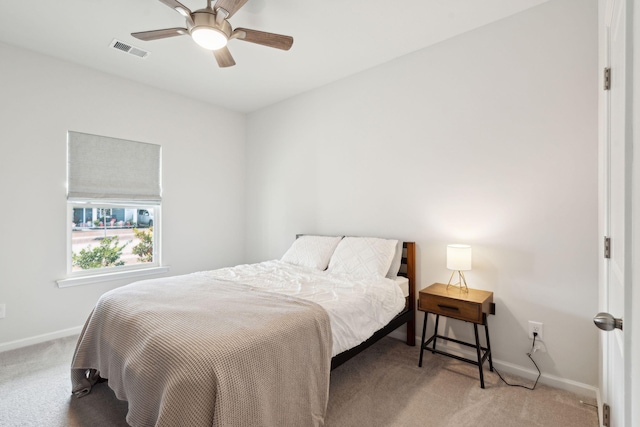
(458, 259)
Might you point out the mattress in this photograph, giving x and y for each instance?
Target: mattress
(403, 284)
(357, 306)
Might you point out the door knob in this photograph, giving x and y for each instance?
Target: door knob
(607, 322)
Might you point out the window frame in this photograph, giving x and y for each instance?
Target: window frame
(75, 278)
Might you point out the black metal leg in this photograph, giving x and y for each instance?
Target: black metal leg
(424, 331)
(435, 332)
(486, 332)
(479, 352)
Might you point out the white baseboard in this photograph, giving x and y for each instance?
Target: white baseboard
(581, 389)
(12, 345)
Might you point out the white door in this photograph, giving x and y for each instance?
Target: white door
(617, 213)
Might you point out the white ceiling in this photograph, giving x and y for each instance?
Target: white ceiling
(332, 39)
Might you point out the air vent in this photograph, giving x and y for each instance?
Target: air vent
(136, 51)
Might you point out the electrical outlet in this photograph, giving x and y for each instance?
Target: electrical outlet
(3, 311)
(535, 327)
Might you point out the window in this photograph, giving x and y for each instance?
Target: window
(114, 202)
(104, 237)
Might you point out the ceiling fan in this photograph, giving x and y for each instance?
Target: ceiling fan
(210, 29)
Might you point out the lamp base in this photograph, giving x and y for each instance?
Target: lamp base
(461, 280)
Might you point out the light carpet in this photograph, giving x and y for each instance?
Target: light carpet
(382, 386)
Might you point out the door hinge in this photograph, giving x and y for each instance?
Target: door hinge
(605, 415)
(607, 247)
(607, 78)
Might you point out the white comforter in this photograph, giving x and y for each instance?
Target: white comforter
(357, 305)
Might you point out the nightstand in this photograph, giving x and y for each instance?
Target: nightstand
(472, 306)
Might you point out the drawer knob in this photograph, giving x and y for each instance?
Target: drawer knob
(448, 307)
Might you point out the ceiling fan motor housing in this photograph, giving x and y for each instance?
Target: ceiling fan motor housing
(207, 19)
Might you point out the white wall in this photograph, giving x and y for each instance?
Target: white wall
(203, 182)
(488, 139)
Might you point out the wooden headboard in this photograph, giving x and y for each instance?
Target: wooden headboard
(408, 270)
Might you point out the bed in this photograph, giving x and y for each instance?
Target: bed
(248, 345)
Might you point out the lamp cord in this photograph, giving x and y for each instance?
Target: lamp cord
(535, 335)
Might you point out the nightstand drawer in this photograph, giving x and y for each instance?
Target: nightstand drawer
(458, 309)
(470, 306)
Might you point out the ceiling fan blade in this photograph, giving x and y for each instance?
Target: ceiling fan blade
(266, 39)
(173, 4)
(160, 34)
(231, 6)
(223, 57)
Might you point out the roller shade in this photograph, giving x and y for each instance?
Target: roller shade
(113, 169)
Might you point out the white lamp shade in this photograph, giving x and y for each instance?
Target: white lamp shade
(459, 257)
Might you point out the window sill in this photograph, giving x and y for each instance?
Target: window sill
(87, 280)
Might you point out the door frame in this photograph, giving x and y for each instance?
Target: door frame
(632, 299)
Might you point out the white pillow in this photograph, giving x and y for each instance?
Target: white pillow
(312, 251)
(397, 260)
(363, 255)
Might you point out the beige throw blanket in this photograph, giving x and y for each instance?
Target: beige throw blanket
(189, 351)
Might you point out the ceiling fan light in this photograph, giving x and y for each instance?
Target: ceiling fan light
(209, 38)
